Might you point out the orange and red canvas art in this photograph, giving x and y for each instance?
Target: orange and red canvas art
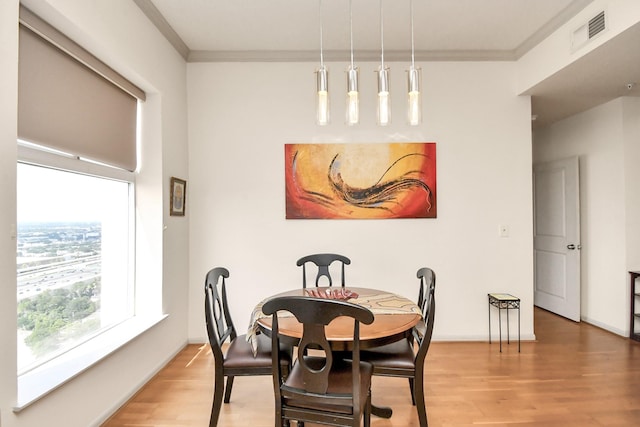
(360, 181)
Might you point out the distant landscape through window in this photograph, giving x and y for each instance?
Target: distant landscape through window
(73, 258)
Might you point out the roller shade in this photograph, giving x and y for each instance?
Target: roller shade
(65, 105)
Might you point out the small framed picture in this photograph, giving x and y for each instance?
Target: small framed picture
(178, 197)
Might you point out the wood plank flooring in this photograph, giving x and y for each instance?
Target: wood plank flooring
(574, 375)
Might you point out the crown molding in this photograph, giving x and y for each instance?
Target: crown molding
(163, 26)
(180, 46)
(344, 56)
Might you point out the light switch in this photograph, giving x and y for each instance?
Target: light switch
(503, 231)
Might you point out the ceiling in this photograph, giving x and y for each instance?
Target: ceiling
(289, 30)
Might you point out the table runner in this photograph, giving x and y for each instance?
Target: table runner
(378, 303)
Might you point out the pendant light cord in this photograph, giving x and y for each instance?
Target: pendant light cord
(412, 46)
(381, 36)
(321, 47)
(351, 30)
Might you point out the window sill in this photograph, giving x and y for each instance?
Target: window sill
(37, 383)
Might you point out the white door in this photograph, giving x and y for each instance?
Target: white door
(556, 237)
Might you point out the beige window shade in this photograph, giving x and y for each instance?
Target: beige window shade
(65, 105)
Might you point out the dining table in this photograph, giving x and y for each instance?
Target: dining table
(394, 318)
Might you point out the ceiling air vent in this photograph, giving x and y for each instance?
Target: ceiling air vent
(596, 25)
(588, 31)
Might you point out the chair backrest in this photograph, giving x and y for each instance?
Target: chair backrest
(323, 262)
(315, 314)
(423, 331)
(219, 324)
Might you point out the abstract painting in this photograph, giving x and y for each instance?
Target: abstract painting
(360, 181)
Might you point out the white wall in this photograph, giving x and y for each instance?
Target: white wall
(242, 114)
(8, 135)
(606, 140)
(556, 51)
(119, 34)
(631, 138)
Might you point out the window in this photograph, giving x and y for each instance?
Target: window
(74, 262)
(78, 127)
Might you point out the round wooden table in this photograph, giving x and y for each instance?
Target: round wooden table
(394, 316)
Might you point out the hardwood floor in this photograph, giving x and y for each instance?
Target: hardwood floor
(574, 375)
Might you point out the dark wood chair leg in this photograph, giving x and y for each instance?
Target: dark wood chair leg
(367, 413)
(420, 405)
(227, 392)
(218, 389)
(413, 394)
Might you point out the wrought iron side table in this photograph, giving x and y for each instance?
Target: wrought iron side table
(504, 302)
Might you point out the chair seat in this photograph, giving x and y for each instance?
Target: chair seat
(240, 354)
(396, 356)
(340, 382)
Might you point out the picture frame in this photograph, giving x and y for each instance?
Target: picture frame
(177, 199)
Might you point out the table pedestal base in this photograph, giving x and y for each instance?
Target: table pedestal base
(381, 411)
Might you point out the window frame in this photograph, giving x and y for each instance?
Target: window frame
(38, 382)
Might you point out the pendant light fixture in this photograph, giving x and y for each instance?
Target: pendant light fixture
(322, 83)
(353, 102)
(415, 102)
(384, 100)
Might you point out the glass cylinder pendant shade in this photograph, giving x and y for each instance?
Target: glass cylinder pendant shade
(322, 82)
(415, 102)
(353, 102)
(384, 100)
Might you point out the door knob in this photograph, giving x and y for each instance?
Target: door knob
(571, 247)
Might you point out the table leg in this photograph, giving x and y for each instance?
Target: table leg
(508, 332)
(489, 320)
(500, 326)
(518, 328)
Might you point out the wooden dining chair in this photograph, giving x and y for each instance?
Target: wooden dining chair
(239, 359)
(321, 386)
(323, 262)
(405, 358)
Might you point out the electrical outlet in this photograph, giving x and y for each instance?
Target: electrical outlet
(503, 231)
